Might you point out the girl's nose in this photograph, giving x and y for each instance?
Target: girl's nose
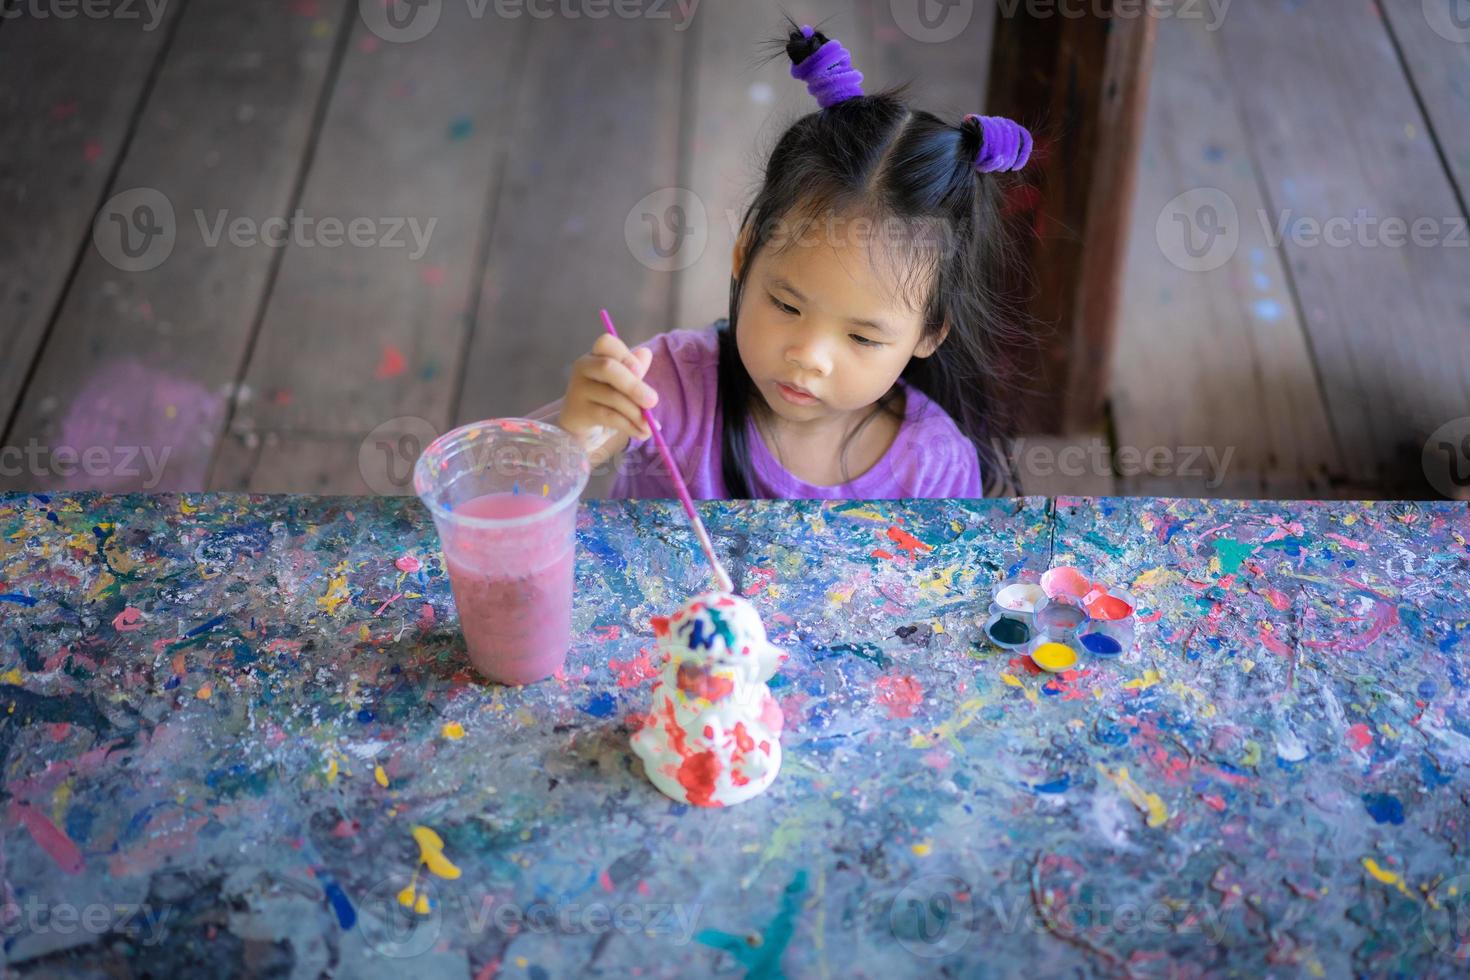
(810, 356)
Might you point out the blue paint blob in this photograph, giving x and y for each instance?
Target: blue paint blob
(1059, 785)
(51, 516)
(365, 716)
(1430, 773)
(601, 705)
(1384, 807)
(171, 683)
(1102, 645)
(346, 914)
(1428, 689)
(18, 599)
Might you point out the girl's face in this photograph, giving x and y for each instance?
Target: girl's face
(823, 331)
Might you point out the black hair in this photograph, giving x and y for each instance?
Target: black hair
(876, 157)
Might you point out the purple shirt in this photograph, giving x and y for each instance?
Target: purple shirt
(929, 457)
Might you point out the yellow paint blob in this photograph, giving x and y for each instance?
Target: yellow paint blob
(1149, 679)
(431, 856)
(1149, 803)
(922, 849)
(454, 730)
(380, 776)
(1386, 877)
(1054, 657)
(431, 853)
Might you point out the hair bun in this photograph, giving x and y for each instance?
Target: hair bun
(1004, 143)
(824, 65)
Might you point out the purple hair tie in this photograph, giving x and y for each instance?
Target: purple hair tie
(828, 73)
(1004, 144)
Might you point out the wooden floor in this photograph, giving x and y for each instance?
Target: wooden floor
(463, 202)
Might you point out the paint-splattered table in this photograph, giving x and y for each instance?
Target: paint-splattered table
(238, 734)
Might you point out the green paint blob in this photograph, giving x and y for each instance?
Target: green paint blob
(1231, 553)
(1011, 632)
(762, 958)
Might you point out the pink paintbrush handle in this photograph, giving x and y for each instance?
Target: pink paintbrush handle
(721, 577)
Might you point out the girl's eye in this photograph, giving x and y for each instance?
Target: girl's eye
(864, 341)
(784, 308)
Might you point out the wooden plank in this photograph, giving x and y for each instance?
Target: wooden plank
(1213, 382)
(1434, 44)
(69, 94)
(1080, 84)
(1339, 138)
(741, 106)
(595, 130)
(145, 349)
(357, 335)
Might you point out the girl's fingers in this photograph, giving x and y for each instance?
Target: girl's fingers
(609, 346)
(618, 376)
(627, 417)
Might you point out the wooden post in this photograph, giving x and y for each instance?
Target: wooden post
(1080, 83)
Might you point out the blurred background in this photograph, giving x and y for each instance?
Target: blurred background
(278, 245)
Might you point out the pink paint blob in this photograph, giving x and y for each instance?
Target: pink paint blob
(50, 838)
(899, 694)
(1065, 581)
(513, 586)
(408, 563)
(392, 363)
(128, 620)
(132, 427)
(1359, 737)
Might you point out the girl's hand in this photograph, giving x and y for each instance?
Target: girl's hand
(607, 390)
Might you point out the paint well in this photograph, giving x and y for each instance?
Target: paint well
(1054, 657)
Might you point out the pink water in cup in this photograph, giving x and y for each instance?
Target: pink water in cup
(503, 494)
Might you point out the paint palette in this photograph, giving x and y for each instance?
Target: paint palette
(1060, 617)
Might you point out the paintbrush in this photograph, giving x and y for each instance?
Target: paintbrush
(722, 578)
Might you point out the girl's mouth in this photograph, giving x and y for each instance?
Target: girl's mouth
(795, 395)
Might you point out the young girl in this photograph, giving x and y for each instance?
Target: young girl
(859, 357)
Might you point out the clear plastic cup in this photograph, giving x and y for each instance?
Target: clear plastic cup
(503, 494)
